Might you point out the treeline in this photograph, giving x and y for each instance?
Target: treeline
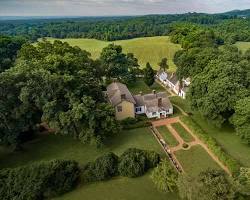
(109, 28)
(220, 88)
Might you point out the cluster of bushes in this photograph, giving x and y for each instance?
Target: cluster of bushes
(231, 163)
(132, 163)
(45, 180)
(38, 181)
(138, 122)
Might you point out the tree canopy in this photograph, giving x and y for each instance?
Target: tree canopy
(56, 84)
(117, 65)
(210, 184)
(9, 47)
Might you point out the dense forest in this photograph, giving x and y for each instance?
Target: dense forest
(116, 28)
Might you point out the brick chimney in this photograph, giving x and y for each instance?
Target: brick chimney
(160, 102)
(123, 96)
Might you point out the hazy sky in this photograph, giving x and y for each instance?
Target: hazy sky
(115, 7)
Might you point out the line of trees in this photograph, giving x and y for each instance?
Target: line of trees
(220, 88)
(230, 27)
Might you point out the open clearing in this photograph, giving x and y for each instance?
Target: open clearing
(195, 160)
(243, 46)
(147, 49)
(49, 147)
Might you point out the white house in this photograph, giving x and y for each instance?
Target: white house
(154, 105)
(170, 80)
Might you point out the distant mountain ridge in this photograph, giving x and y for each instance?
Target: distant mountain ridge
(240, 13)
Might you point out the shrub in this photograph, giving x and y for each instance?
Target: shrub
(165, 177)
(185, 146)
(152, 159)
(103, 168)
(132, 163)
(38, 181)
(231, 163)
(138, 122)
(135, 162)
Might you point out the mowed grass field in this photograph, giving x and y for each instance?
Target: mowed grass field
(50, 147)
(146, 49)
(243, 46)
(196, 160)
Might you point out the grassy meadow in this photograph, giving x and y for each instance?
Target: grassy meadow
(243, 46)
(147, 49)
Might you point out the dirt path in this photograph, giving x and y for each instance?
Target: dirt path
(197, 141)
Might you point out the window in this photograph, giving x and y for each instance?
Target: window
(154, 113)
(138, 109)
(119, 108)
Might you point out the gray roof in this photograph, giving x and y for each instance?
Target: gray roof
(172, 77)
(117, 91)
(151, 101)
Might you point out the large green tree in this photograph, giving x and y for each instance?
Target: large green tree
(210, 184)
(118, 65)
(164, 64)
(215, 90)
(56, 85)
(241, 119)
(149, 75)
(165, 177)
(9, 47)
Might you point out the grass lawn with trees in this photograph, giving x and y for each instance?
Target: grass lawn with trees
(167, 135)
(243, 46)
(186, 136)
(195, 160)
(147, 49)
(49, 147)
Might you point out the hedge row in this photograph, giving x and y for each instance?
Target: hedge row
(138, 122)
(38, 181)
(230, 162)
(45, 180)
(132, 163)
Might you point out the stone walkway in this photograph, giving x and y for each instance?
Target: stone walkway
(196, 141)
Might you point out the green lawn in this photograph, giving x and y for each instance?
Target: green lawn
(243, 46)
(168, 137)
(141, 188)
(49, 147)
(186, 136)
(227, 139)
(140, 86)
(195, 160)
(225, 136)
(147, 49)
